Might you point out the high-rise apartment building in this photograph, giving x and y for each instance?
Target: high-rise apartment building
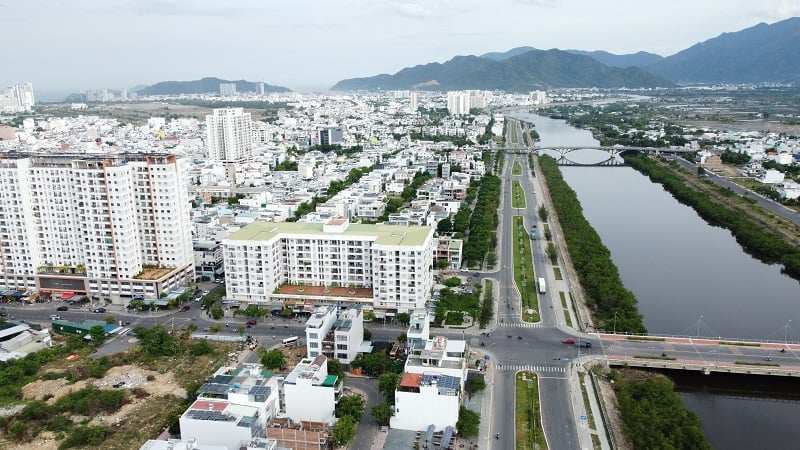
(111, 226)
(17, 98)
(229, 135)
(227, 89)
(386, 267)
(458, 103)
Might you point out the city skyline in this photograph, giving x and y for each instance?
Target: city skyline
(310, 45)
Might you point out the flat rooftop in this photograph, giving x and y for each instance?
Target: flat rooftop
(381, 234)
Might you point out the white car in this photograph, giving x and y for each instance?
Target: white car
(55, 317)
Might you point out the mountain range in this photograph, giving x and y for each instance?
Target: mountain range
(759, 54)
(202, 86)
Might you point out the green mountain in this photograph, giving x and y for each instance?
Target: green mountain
(534, 69)
(639, 59)
(202, 86)
(759, 54)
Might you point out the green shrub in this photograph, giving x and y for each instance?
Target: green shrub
(84, 436)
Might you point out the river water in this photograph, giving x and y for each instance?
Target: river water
(690, 279)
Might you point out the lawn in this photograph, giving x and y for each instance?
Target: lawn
(528, 417)
(523, 272)
(516, 169)
(454, 318)
(517, 195)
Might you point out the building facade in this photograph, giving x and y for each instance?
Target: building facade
(310, 394)
(392, 262)
(109, 226)
(229, 135)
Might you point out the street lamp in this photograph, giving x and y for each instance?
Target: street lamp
(786, 332)
(615, 322)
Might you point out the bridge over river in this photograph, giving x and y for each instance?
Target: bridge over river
(702, 354)
(611, 157)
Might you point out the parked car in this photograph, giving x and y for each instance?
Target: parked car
(55, 317)
(62, 308)
(205, 292)
(99, 310)
(568, 341)
(251, 322)
(119, 385)
(186, 308)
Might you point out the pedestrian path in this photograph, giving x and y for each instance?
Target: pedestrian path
(537, 369)
(521, 325)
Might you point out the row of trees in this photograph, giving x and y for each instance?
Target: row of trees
(592, 260)
(483, 223)
(763, 244)
(653, 415)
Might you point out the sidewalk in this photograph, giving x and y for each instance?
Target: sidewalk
(576, 391)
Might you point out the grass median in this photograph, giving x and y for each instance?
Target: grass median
(516, 169)
(517, 195)
(523, 272)
(528, 418)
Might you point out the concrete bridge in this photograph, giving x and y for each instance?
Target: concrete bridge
(611, 152)
(704, 355)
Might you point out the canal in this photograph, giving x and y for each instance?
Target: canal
(690, 279)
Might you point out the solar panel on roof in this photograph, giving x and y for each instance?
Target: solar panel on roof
(214, 388)
(215, 416)
(259, 390)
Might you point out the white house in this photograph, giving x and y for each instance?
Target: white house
(310, 393)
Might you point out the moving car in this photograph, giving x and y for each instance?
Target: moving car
(99, 310)
(568, 341)
(251, 322)
(55, 317)
(62, 308)
(186, 308)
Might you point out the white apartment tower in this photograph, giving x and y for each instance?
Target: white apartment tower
(229, 135)
(458, 103)
(110, 226)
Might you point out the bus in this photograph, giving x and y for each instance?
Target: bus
(291, 341)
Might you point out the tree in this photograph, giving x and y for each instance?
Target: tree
(374, 363)
(343, 431)
(444, 225)
(404, 319)
(543, 214)
(272, 359)
(217, 312)
(351, 405)
(382, 412)
(98, 335)
(468, 422)
(157, 341)
(452, 282)
(552, 252)
(110, 320)
(475, 384)
(367, 334)
(335, 368)
(387, 383)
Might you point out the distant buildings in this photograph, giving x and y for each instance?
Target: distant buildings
(227, 89)
(112, 226)
(17, 98)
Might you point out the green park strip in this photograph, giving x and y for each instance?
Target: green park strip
(528, 420)
(749, 363)
(645, 338)
(741, 344)
(523, 271)
(514, 138)
(516, 169)
(566, 309)
(664, 358)
(517, 195)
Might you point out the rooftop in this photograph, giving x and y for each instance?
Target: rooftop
(381, 234)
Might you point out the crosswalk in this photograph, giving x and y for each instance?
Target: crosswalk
(537, 369)
(521, 325)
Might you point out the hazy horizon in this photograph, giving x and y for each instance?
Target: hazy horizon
(310, 45)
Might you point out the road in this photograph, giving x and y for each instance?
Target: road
(769, 205)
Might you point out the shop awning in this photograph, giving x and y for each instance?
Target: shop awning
(66, 295)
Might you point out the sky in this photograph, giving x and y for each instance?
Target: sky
(309, 45)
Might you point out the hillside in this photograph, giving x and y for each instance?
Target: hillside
(534, 69)
(202, 86)
(759, 54)
(638, 59)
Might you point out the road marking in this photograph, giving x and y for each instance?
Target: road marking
(538, 369)
(521, 325)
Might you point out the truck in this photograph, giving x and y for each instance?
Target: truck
(541, 284)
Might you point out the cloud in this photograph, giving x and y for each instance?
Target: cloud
(187, 8)
(544, 3)
(413, 10)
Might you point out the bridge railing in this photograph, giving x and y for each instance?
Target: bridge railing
(698, 337)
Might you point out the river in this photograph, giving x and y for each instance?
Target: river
(690, 279)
